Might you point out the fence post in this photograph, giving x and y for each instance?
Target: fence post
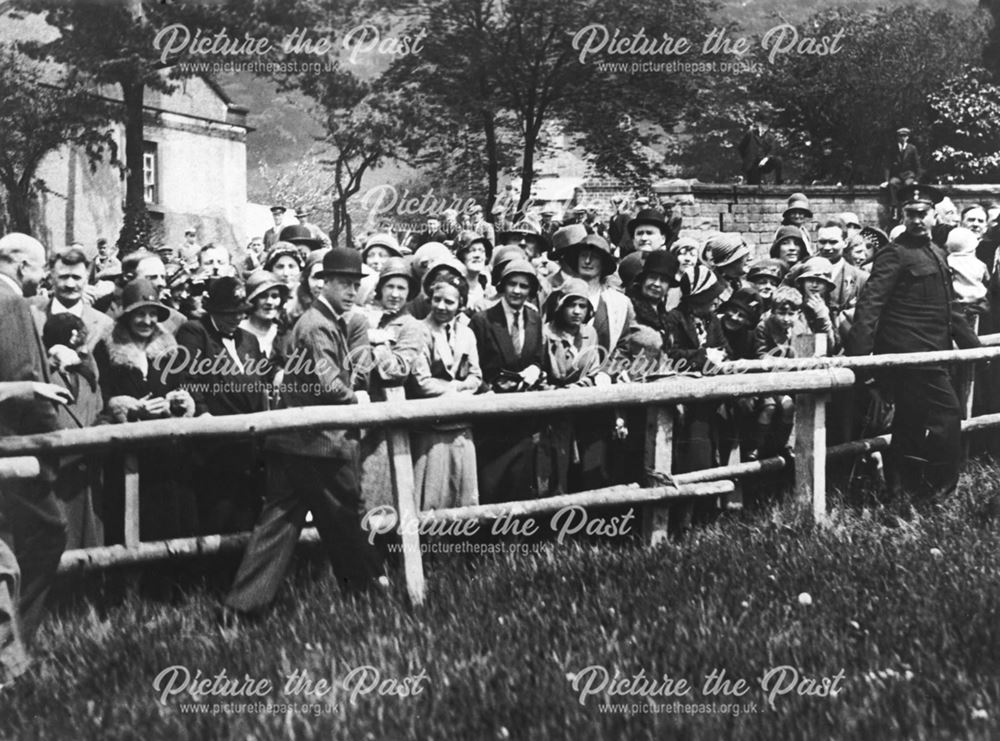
(401, 465)
(659, 456)
(131, 500)
(810, 452)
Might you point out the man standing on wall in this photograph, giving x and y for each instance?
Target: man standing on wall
(907, 306)
(757, 150)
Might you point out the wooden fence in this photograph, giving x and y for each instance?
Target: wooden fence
(20, 456)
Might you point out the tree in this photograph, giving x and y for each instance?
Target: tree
(526, 58)
(113, 43)
(880, 80)
(966, 130)
(41, 111)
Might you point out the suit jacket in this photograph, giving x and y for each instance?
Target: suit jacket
(908, 304)
(439, 363)
(22, 359)
(496, 349)
(904, 164)
(98, 325)
(754, 147)
(614, 320)
(319, 372)
(239, 391)
(849, 282)
(270, 237)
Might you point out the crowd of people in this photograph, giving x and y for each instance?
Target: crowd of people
(468, 306)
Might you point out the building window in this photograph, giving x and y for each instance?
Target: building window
(150, 173)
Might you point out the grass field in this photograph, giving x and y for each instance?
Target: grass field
(904, 621)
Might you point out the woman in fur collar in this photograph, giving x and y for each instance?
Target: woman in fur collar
(134, 379)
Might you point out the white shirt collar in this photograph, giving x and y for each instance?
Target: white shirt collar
(58, 307)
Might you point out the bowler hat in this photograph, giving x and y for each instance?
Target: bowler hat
(341, 261)
(226, 295)
(139, 293)
(261, 281)
(650, 216)
(299, 234)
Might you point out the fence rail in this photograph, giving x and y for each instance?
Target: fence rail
(19, 456)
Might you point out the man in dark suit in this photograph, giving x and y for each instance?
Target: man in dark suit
(757, 150)
(902, 167)
(313, 470)
(228, 481)
(32, 529)
(907, 306)
(271, 235)
(509, 340)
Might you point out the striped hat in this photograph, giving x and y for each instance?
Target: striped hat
(700, 287)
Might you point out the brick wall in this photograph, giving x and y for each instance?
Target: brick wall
(755, 211)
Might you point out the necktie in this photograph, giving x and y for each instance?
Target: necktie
(516, 333)
(447, 333)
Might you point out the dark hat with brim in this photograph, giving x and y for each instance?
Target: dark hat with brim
(464, 248)
(276, 209)
(341, 261)
(651, 217)
(299, 234)
(139, 294)
(789, 232)
(570, 288)
(609, 262)
(518, 266)
(522, 230)
(226, 295)
(261, 281)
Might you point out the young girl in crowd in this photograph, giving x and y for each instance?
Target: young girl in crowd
(571, 359)
(814, 282)
(444, 468)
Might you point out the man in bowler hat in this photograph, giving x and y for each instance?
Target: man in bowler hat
(314, 470)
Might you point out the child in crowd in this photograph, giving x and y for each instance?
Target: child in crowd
(765, 275)
(969, 274)
(814, 281)
(571, 359)
(773, 338)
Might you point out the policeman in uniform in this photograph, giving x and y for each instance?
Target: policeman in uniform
(907, 306)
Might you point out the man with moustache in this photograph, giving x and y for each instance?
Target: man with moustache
(907, 306)
(69, 271)
(314, 470)
(32, 527)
